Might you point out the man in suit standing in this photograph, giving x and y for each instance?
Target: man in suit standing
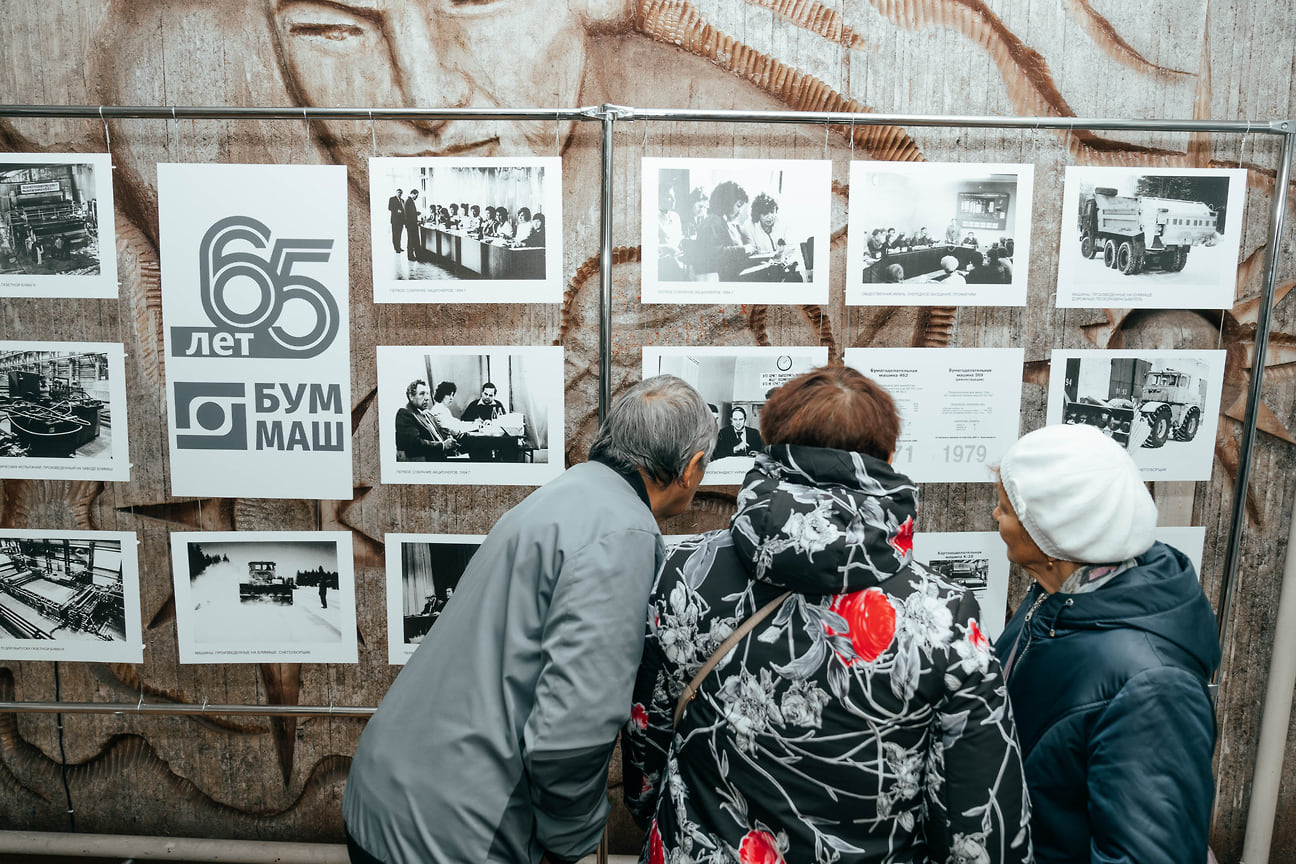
(396, 207)
(738, 439)
(413, 244)
(417, 437)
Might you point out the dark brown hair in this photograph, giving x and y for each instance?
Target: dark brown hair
(832, 406)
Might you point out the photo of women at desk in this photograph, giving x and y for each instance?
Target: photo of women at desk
(733, 224)
(469, 415)
(472, 230)
(931, 232)
(426, 575)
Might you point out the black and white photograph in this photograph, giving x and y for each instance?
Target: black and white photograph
(467, 230)
(57, 237)
(735, 382)
(924, 233)
(264, 596)
(423, 572)
(735, 230)
(69, 595)
(1150, 238)
(975, 560)
(1162, 406)
(470, 414)
(63, 411)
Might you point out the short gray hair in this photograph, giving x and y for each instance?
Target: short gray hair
(656, 426)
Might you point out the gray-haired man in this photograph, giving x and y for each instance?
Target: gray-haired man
(493, 743)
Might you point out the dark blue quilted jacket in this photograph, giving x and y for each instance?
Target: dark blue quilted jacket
(1116, 727)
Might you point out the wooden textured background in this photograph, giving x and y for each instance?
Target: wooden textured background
(259, 778)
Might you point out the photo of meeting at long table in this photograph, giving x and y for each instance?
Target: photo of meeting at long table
(936, 223)
(451, 220)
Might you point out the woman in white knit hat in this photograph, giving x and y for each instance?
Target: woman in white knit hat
(1107, 658)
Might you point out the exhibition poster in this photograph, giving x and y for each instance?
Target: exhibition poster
(976, 560)
(70, 595)
(423, 572)
(735, 382)
(264, 596)
(1161, 405)
(470, 415)
(960, 408)
(57, 234)
(65, 415)
(254, 313)
(938, 233)
(735, 230)
(1150, 238)
(466, 230)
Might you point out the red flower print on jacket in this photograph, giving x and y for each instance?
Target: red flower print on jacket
(639, 715)
(870, 622)
(656, 854)
(977, 636)
(902, 542)
(758, 847)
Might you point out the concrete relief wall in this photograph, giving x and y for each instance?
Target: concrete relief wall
(282, 779)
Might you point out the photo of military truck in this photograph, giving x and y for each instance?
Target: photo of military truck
(1150, 238)
(1138, 232)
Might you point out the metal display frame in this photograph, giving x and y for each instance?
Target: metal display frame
(608, 115)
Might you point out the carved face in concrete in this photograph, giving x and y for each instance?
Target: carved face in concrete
(434, 54)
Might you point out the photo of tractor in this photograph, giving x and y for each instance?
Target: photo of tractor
(1138, 232)
(1142, 396)
(264, 582)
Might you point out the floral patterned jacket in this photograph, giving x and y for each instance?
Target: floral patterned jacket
(865, 720)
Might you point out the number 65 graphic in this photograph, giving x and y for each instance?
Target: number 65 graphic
(274, 283)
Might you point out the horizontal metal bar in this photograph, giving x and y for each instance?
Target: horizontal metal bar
(845, 118)
(622, 112)
(215, 112)
(185, 708)
(208, 850)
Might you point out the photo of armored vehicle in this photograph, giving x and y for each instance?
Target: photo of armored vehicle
(263, 581)
(1136, 232)
(1170, 401)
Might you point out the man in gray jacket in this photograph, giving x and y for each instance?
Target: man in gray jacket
(493, 743)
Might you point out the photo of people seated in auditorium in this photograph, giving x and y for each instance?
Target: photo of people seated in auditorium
(480, 421)
(937, 225)
(733, 221)
(447, 220)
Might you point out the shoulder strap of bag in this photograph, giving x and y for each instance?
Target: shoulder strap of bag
(726, 646)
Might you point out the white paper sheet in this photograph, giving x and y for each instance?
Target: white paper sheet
(960, 408)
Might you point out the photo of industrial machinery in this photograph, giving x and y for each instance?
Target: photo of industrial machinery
(49, 219)
(54, 404)
(61, 588)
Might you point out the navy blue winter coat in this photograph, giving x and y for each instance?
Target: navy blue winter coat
(1116, 726)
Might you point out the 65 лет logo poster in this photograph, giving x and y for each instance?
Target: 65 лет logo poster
(254, 309)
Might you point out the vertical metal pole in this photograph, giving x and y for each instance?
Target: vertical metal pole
(605, 269)
(1233, 551)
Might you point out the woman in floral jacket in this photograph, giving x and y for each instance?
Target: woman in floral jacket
(865, 720)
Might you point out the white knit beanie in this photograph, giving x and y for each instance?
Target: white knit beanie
(1078, 494)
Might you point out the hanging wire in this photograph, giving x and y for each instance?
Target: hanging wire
(107, 135)
(373, 136)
